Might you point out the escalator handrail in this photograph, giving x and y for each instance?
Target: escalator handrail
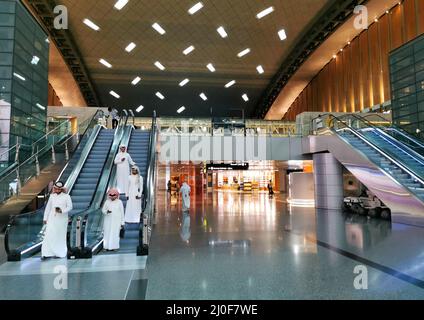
(412, 153)
(111, 183)
(61, 174)
(393, 127)
(33, 213)
(104, 181)
(90, 121)
(150, 180)
(364, 139)
(69, 185)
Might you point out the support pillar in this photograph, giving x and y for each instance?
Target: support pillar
(328, 178)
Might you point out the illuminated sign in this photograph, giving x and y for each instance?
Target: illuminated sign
(227, 166)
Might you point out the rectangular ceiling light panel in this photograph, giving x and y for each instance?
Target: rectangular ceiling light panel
(222, 32)
(265, 12)
(194, 9)
(91, 24)
(120, 4)
(158, 28)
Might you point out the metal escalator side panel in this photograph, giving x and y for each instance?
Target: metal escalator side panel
(405, 206)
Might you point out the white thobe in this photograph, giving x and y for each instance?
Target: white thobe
(123, 171)
(185, 193)
(185, 232)
(54, 243)
(112, 223)
(135, 189)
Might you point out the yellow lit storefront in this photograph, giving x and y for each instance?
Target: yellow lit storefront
(246, 181)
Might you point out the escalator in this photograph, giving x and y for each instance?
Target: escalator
(391, 168)
(138, 148)
(85, 185)
(141, 147)
(82, 174)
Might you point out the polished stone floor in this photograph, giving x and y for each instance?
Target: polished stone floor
(236, 246)
(239, 246)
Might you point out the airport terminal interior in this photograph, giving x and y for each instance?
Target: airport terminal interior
(211, 150)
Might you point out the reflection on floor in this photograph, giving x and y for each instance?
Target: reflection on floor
(115, 277)
(239, 246)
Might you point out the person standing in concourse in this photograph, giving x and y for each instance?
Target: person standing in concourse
(123, 162)
(134, 196)
(185, 194)
(56, 221)
(114, 220)
(113, 114)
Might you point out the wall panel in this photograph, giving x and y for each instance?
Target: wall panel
(410, 21)
(397, 27)
(359, 77)
(419, 4)
(375, 66)
(384, 56)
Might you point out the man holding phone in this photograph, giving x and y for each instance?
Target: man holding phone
(56, 221)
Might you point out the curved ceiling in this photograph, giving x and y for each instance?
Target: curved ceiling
(133, 23)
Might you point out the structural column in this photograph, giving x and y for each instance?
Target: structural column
(328, 177)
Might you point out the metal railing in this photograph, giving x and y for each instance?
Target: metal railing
(86, 227)
(338, 124)
(150, 201)
(25, 232)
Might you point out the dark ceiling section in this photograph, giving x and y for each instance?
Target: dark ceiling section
(134, 24)
(67, 47)
(328, 21)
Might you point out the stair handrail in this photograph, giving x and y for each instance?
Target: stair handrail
(149, 209)
(99, 195)
(361, 137)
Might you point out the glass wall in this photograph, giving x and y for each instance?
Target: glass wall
(407, 81)
(24, 51)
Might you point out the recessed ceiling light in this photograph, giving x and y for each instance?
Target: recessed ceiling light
(160, 95)
(203, 96)
(243, 53)
(282, 34)
(114, 94)
(184, 82)
(130, 47)
(136, 81)
(195, 8)
(334, 56)
(159, 65)
(222, 32)
(211, 67)
(260, 69)
(47, 40)
(91, 24)
(120, 4)
(265, 12)
(105, 63)
(158, 28)
(180, 110)
(188, 50)
(230, 84)
(245, 97)
(40, 106)
(17, 75)
(139, 109)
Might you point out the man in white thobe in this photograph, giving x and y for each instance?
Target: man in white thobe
(123, 162)
(185, 194)
(134, 196)
(56, 221)
(114, 220)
